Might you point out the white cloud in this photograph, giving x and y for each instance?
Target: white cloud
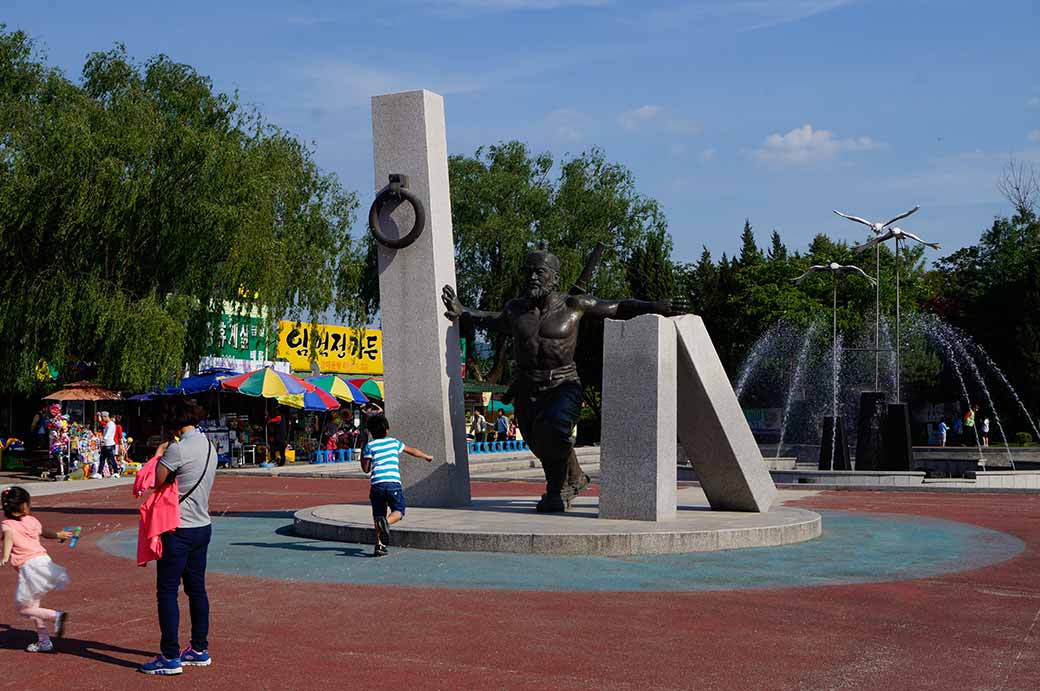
(337, 84)
(1034, 102)
(632, 119)
(566, 125)
(747, 15)
(804, 145)
(655, 115)
(488, 6)
(708, 154)
(1034, 136)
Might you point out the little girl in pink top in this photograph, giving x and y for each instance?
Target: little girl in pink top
(37, 574)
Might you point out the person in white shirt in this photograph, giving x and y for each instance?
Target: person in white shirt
(479, 426)
(108, 447)
(985, 431)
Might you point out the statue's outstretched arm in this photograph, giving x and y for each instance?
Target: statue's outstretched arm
(626, 309)
(479, 318)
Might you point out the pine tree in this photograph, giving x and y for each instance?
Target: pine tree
(749, 252)
(778, 251)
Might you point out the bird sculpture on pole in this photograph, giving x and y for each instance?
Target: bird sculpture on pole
(877, 228)
(899, 234)
(835, 268)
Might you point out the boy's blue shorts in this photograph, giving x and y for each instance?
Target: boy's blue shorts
(386, 494)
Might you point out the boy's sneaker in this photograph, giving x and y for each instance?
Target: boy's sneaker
(162, 665)
(384, 528)
(59, 624)
(193, 658)
(380, 551)
(40, 647)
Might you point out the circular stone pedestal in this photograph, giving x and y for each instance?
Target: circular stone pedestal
(510, 524)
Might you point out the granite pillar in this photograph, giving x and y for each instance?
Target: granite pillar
(712, 427)
(870, 447)
(899, 453)
(421, 355)
(838, 457)
(638, 439)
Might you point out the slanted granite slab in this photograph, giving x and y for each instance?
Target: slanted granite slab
(712, 426)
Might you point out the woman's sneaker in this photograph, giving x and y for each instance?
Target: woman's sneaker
(40, 647)
(193, 658)
(161, 665)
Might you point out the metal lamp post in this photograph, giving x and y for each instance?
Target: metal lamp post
(834, 269)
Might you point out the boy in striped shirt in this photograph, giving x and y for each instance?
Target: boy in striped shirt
(381, 458)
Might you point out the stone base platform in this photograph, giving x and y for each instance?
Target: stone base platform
(510, 524)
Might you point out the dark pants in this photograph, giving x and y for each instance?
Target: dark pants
(546, 419)
(107, 455)
(183, 559)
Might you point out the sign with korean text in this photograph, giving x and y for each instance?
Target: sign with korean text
(340, 349)
(240, 335)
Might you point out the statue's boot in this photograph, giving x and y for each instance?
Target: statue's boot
(577, 480)
(551, 503)
(553, 500)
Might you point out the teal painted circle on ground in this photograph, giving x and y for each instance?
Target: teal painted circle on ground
(854, 548)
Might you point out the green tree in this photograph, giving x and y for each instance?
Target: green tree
(777, 250)
(504, 199)
(135, 202)
(750, 254)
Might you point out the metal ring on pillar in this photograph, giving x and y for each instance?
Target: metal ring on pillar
(398, 191)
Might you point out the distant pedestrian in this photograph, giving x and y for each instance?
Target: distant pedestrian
(278, 437)
(381, 458)
(478, 428)
(985, 431)
(969, 425)
(943, 429)
(958, 430)
(501, 427)
(107, 455)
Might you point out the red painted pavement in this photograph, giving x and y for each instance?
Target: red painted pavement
(973, 630)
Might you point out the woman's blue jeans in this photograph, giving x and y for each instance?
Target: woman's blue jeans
(183, 560)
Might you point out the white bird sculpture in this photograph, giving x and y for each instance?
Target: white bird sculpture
(877, 227)
(898, 234)
(836, 268)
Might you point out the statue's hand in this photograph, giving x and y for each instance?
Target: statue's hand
(452, 303)
(677, 306)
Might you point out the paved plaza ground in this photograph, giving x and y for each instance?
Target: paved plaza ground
(955, 604)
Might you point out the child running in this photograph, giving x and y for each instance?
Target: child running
(37, 574)
(381, 457)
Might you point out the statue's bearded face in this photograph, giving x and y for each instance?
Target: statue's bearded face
(541, 280)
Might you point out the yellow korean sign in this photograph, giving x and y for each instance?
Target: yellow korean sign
(340, 349)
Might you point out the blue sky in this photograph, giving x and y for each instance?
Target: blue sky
(774, 110)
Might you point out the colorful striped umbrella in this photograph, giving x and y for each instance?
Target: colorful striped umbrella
(373, 388)
(266, 382)
(338, 387)
(314, 400)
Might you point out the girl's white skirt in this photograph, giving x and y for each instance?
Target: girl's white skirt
(37, 577)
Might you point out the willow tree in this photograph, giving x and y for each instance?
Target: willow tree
(137, 201)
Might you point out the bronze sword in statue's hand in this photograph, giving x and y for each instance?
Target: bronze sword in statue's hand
(580, 286)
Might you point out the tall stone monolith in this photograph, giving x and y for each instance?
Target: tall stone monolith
(637, 442)
(421, 353)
